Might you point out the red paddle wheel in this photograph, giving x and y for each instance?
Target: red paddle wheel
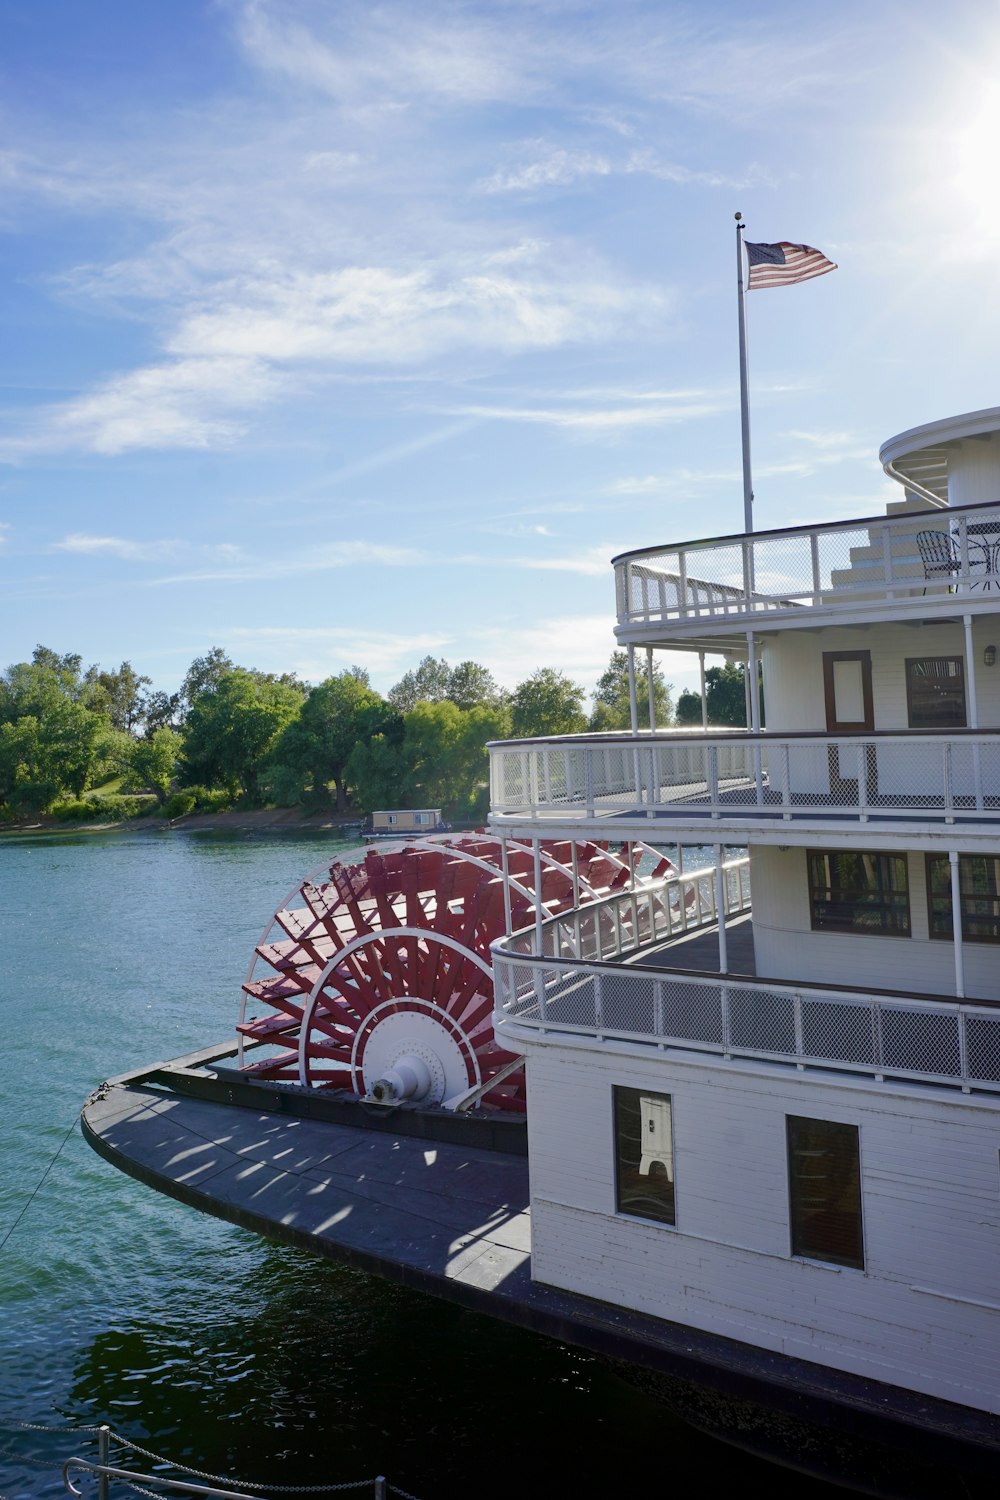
(377, 975)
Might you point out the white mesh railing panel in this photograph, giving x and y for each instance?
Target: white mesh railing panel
(691, 1012)
(514, 990)
(628, 1003)
(571, 999)
(838, 1030)
(982, 1044)
(782, 567)
(760, 1021)
(919, 1042)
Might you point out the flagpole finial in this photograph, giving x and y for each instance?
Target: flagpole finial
(737, 217)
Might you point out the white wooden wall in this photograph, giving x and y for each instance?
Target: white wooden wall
(925, 1312)
(792, 665)
(785, 947)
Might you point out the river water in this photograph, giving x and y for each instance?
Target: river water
(198, 1340)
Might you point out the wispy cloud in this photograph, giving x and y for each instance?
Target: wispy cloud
(184, 403)
(316, 560)
(385, 55)
(316, 652)
(371, 59)
(262, 265)
(542, 165)
(87, 545)
(271, 333)
(579, 644)
(595, 418)
(546, 167)
(593, 561)
(822, 449)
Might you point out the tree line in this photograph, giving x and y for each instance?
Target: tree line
(84, 742)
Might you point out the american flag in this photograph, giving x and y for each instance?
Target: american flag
(783, 264)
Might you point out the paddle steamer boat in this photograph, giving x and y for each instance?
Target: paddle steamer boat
(763, 1137)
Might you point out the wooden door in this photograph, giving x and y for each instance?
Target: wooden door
(847, 687)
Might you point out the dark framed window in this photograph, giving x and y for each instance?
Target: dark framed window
(644, 1155)
(824, 1191)
(854, 891)
(979, 896)
(935, 692)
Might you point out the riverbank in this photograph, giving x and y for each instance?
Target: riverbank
(237, 820)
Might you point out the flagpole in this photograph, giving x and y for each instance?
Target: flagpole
(744, 395)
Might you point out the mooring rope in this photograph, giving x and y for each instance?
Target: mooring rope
(38, 1184)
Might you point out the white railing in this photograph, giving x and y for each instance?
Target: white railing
(621, 924)
(912, 775)
(882, 1036)
(835, 565)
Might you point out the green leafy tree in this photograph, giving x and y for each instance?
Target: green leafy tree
(162, 711)
(52, 739)
(470, 684)
(112, 755)
(232, 729)
(286, 786)
(204, 675)
(612, 708)
(376, 771)
(429, 683)
(117, 695)
(444, 753)
(725, 695)
(547, 702)
(153, 762)
(338, 714)
(688, 708)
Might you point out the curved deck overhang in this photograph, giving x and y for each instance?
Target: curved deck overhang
(942, 459)
(706, 594)
(919, 786)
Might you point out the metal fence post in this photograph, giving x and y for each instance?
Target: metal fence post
(380, 1492)
(103, 1455)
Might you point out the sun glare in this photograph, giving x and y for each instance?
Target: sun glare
(972, 170)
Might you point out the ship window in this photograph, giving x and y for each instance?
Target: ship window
(935, 692)
(824, 1189)
(851, 891)
(979, 894)
(644, 1155)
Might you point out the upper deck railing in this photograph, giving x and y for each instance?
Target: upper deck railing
(579, 981)
(915, 775)
(836, 566)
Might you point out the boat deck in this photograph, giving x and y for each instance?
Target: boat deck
(700, 950)
(451, 1219)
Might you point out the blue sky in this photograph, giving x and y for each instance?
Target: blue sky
(336, 333)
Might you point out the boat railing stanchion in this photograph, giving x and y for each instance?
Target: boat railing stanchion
(799, 1044)
(103, 1455)
(713, 779)
(786, 781)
